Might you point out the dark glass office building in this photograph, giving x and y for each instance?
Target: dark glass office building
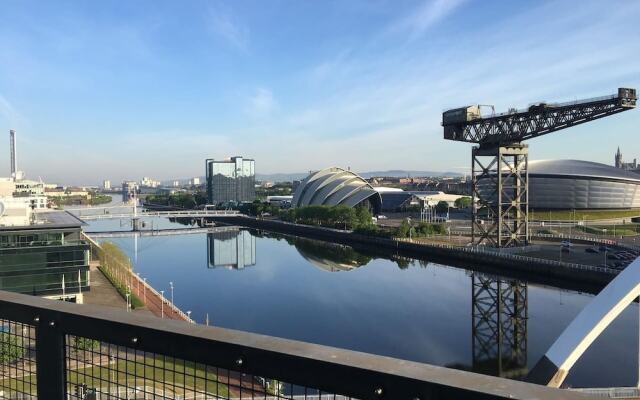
(230, 180)
(35, 258)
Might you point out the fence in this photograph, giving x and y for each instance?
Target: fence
(58, 350)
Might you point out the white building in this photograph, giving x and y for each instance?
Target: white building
(106, 184)
(149, 182)
(195, 181)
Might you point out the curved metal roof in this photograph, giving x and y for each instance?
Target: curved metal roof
(334, 186)
(578, 168)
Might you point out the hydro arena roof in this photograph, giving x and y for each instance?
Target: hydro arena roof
(336, 186)
(574, 184)
(578, 168)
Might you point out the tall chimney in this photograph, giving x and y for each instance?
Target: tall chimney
(14, 159)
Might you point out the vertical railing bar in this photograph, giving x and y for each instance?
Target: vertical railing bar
(50, 361)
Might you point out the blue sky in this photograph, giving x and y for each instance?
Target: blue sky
(125, 89)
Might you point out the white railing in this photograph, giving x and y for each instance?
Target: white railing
(166, 214)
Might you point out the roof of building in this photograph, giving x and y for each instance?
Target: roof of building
(580, 168)
(334, 186)
(51, 219)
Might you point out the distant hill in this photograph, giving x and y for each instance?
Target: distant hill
(283, 177)
(399, 173)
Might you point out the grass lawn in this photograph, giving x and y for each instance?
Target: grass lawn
(579, 215)
(617, 230)
(159, 374)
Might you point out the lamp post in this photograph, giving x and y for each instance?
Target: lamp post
(162, 304)
(189, 314)
(128, 304)
(171, 286)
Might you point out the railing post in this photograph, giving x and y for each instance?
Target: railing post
(50, 360)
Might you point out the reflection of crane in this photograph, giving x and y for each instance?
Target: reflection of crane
(499, 326)
(501, 159)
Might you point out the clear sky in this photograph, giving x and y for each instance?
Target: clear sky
(125, 89)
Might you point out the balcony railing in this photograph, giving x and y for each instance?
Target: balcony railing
(56, 350)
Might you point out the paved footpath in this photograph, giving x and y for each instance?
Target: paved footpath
(103, 293)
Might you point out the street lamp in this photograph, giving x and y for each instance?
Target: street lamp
(171, 285)
(189, 314)
(128, 305)
(162, 304)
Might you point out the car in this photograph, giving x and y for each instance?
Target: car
(591, 250)
(613, 257)
(604, 248)
(382, 217)
(566, 243)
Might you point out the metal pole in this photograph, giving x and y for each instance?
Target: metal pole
(171, 284)
(162, 304)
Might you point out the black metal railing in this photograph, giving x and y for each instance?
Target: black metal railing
(57, 350)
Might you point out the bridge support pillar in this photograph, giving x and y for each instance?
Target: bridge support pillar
(500, 182)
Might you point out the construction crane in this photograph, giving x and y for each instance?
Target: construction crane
(500, 161)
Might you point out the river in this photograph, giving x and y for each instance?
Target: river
(333, 295)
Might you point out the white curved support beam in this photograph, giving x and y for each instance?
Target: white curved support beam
(554, 366)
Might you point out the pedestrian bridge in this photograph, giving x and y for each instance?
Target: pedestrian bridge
(90, 214)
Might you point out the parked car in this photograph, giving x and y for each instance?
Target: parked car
(591, 250)
(566, 243)
(604, 248)
(613, 257)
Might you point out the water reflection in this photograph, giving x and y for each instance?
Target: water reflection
(232, 248)
(330, 257)
(499, 326)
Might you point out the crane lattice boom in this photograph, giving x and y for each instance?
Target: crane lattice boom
(467, 125)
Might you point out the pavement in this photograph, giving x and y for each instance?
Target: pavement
(102, 292)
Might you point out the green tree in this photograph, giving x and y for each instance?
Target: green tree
(403, 230)
(442, 207)
(463, 202)
(81, 343)
(364, 217)
(11, 348)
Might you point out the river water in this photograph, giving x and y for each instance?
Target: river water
(333, 295)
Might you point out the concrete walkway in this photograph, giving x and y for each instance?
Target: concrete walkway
(103, 293)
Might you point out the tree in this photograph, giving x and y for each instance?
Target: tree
(364, 217)
(10, 348)
(442, 207)
(81, 343)
(404, 229)
(463, 202)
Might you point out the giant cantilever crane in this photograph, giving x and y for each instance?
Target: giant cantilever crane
(500, 161)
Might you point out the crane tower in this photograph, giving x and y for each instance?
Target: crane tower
(499, 162)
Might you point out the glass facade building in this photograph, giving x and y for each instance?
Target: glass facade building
(36, 259)
(230, 180)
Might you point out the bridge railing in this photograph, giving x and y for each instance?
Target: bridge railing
(58, 350)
